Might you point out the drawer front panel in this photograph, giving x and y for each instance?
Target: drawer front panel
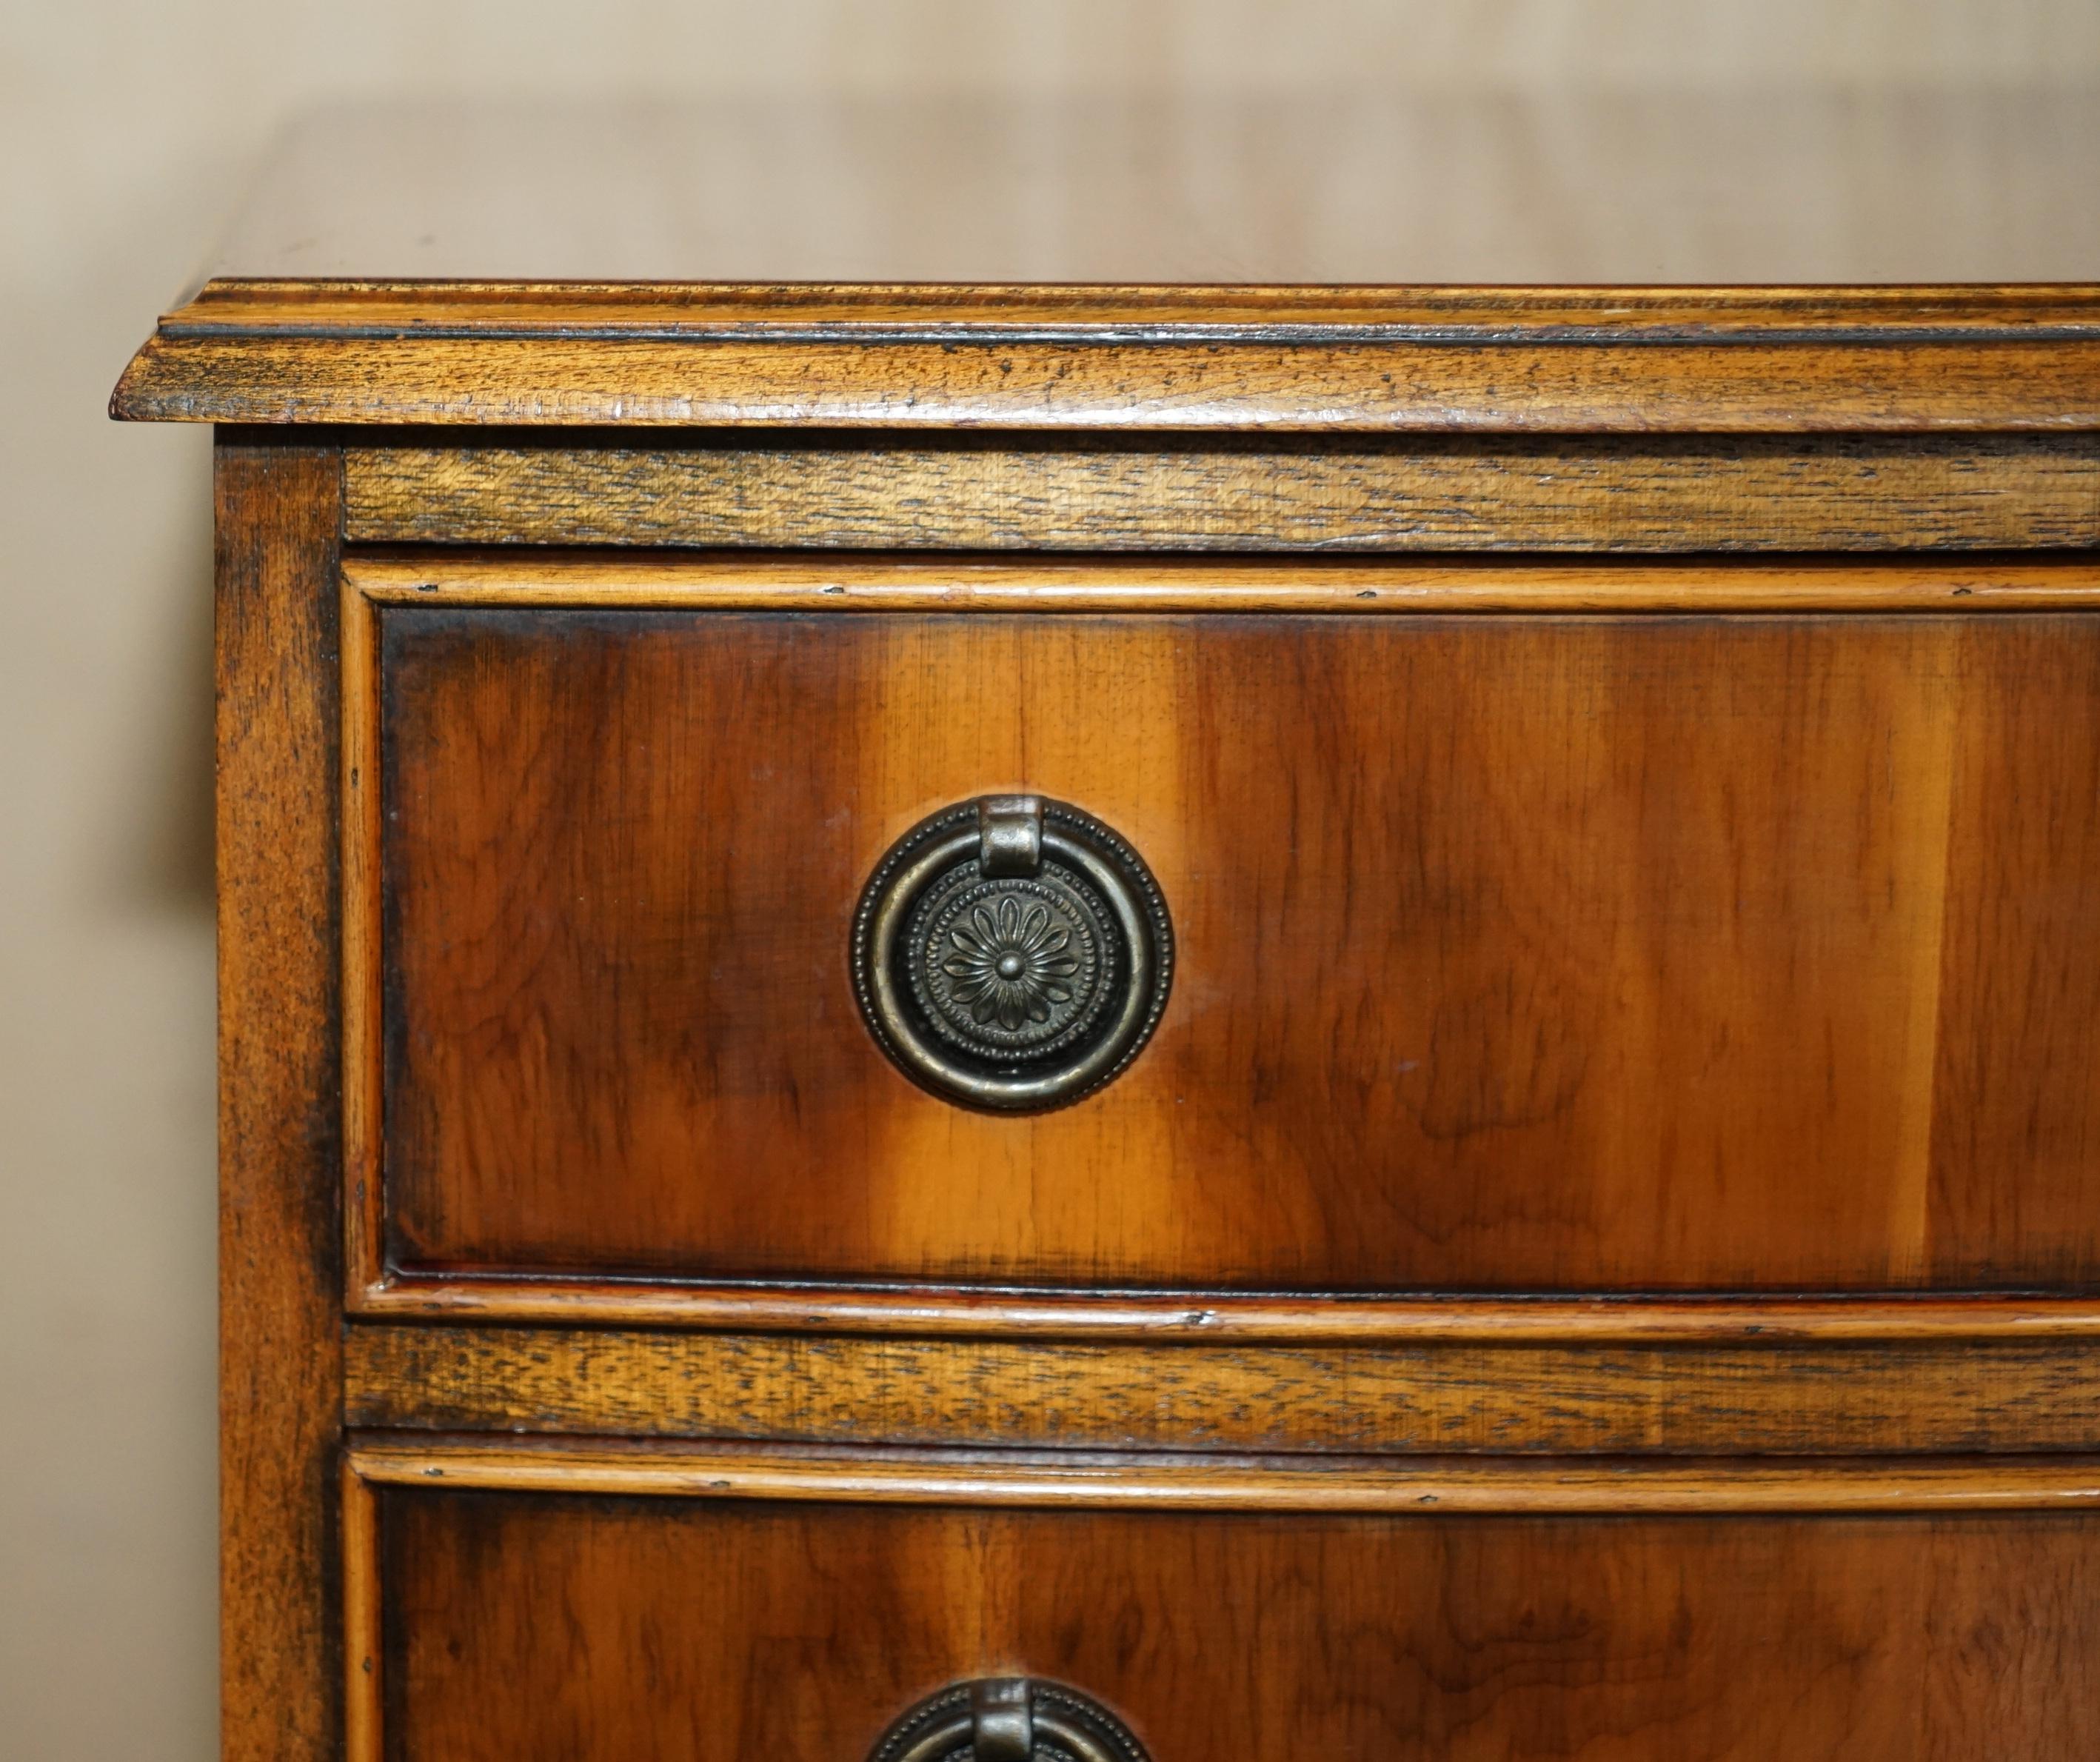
(1516, 952)
(513, 1626)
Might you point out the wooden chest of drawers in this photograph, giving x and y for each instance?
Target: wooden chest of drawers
(1164, 1019)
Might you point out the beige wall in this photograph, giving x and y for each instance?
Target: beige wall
(124, 130)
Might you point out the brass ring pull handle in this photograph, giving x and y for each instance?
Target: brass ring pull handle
(1008, 1719)
(1012, 954)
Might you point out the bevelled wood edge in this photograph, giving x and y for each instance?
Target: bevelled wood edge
(963, 1313)
(870, 310)
(278, 539)
(363, 1068)
(363, 1636)
(1319, 360)
(1307, 494)
(840, 582)
(1423, 1486)
(1935, 1396)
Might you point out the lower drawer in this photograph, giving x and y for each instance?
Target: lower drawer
(606, 1603)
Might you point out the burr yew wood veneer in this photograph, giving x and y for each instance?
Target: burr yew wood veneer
(1038, 949)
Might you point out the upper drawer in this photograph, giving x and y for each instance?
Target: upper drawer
(1529, 951)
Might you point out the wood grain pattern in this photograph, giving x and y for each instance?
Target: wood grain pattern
(992, 492)
(1161, 384)
(1671, 900)
(1761, 1399)
(520, 1627)
(2020, 971)
(279, 515)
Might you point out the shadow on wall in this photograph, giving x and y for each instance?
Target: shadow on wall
(159, 817)
(145, 843)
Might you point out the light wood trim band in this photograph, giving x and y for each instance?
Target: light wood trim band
(849, 583)
(1547, 1487)
(963, 1313)
(363, 1066)
(364, 1638)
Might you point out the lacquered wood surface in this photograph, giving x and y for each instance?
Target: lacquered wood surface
(1516, 954)
(521, 1628)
